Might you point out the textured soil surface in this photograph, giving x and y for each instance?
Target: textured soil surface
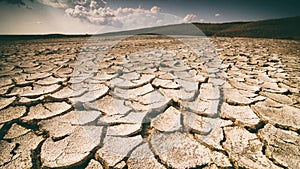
(150, 101)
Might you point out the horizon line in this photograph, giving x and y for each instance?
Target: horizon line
(92, 34)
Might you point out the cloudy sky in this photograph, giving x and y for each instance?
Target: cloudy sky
(99, 16)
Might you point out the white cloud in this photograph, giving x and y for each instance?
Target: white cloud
(155, 9)
(95, 12)
(190, 18)
(217, 14)
(72, 3)
(56, 3)
(100, 16)
(127, 18)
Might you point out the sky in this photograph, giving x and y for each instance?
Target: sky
(100, 16)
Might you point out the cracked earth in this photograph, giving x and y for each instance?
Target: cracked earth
(150, 102)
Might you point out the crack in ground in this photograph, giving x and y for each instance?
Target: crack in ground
(84, 163)
(259, 126)
(146, 122)
(13, 153)
(158, 159)
(264, 148)
(36, 156)
(232, 162)
(5, 128)
(280, 126)
(221, 100)
(125, 159)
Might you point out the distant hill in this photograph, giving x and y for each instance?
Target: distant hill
(285, 28)
(47, 36)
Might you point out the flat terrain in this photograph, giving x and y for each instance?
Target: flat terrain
(150, 102)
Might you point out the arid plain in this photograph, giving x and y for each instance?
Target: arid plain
(150, 101)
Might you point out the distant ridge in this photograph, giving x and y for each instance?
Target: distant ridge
(284, 28)
(46, 36)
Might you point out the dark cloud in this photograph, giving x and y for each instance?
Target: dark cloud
(16, 2)
(19, 3)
